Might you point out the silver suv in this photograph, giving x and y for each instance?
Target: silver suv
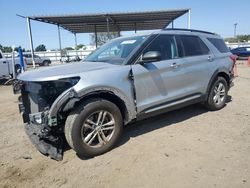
(86, 104)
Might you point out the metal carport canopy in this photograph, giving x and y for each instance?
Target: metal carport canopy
(129, 21)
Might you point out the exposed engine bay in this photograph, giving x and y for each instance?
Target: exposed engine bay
(45, 132)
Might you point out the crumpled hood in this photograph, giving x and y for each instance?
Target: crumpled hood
(62, 71)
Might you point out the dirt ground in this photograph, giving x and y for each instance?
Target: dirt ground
(191, 147)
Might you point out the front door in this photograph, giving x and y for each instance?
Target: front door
(161, 82)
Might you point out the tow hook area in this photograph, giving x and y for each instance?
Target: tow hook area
(46, 140)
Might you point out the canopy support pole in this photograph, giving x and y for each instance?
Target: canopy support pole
(95, 37)
(189, 18)
(31, 42)
(75, 44)
(60, 43)
(107, 20)
(135, 28)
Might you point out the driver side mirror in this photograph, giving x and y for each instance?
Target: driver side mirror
(151, 56)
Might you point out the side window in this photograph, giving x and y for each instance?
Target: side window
(1, 56)
(219, 44)
(165, 44)
(190, 46)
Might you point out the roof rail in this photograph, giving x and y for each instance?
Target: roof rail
(191, 30)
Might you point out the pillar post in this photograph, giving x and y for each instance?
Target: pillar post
(31, 42)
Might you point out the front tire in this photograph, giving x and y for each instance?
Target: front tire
(218, 94)
(18, 69)
(93, 127)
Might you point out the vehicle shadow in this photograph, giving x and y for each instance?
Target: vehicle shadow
(167, 119)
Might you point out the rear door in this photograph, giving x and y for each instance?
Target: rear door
(161, 82)
(4, 67)
(197, 61)
(28, 59)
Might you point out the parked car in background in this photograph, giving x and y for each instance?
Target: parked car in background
(41, 61)
(242, 52)
(6, 68)
(127, 79)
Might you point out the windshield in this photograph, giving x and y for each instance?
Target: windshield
(116, 51)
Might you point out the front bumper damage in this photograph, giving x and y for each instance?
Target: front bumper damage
(43, 123)
(46, 140)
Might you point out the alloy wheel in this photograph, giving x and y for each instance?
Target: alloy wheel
(219, 93)
(98, 129)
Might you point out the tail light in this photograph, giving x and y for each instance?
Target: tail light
(234, 68)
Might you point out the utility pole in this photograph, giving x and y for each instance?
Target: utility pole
(235, 28)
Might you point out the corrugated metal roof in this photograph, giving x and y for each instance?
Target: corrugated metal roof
(129, 21)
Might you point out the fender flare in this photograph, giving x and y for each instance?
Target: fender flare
(215, 74)
(68, 98)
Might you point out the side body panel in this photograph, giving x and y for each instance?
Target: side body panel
(116, 80)
(158, 82)
(162, 84)
(221, 61)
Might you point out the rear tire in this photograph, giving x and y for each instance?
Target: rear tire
(45, 63)
(218, 94)
(93, 127)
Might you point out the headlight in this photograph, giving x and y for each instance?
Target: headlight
(72, 81)
(36, 118)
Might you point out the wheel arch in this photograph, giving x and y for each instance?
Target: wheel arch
(109, 96)
(69, 99)
(219, 72)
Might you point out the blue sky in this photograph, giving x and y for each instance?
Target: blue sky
(213, 15)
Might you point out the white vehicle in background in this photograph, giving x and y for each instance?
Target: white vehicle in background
(6, 68)
(41, 61)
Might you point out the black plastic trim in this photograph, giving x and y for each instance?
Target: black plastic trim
(190, 30)
(143, 115)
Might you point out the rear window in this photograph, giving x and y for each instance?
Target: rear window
(190, 46)
(219, 44)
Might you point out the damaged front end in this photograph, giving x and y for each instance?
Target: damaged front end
(42, 107)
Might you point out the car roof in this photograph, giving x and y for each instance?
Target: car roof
(243, 47)
(175, 31)
(178, 31)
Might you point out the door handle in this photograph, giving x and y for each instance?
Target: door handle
(174, 65)
(4, 62)
(210, 58)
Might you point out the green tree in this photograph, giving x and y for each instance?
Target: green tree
(6, 49)
(40, 48)
(16, 49)
(103, 37)
(79, 46)
(68, 48)
(239, 38)
(243, 38)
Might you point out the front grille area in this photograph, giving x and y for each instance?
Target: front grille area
(25, 103)
(39, 96)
